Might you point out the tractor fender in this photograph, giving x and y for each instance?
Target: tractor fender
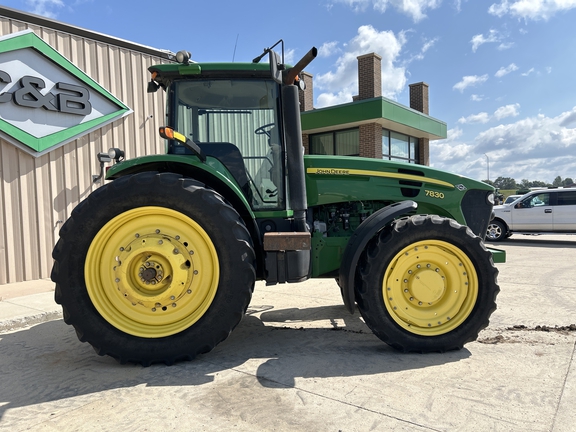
(205, 173)
(357, 243)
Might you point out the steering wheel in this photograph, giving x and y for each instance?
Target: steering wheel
(262, 130)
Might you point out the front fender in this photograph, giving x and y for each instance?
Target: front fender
(357, 243)
(212, 172)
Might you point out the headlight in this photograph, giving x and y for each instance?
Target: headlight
(116, 154)
(490, 198)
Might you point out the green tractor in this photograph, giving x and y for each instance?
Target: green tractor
(159, 264)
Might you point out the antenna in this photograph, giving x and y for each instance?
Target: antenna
(235, 45)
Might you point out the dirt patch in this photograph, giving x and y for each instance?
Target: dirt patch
(520, 333)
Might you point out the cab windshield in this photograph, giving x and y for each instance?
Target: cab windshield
(236, 122)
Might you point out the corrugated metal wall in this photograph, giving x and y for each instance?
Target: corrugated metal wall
(38, 194)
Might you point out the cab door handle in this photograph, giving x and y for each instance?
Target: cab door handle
(548, 211)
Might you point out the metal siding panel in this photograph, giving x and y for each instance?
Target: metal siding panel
(4, 246)
(45, 216)
(29, 214)
(12, 215)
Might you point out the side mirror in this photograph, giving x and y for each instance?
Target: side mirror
(276, 67)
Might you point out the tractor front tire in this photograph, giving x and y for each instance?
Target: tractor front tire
(153, 268)
(426, 284)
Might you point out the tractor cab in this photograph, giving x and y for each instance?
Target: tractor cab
(236, 113)
(237, 122)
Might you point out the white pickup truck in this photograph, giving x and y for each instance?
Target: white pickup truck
(543, 211)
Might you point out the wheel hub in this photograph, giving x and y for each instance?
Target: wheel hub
(427, 285)
(154, 271)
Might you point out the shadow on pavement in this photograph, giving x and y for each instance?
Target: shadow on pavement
(47, 363)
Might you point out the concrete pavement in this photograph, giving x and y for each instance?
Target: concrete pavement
(300, 362)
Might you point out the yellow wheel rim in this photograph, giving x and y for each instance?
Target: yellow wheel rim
(430, 287)
(152, 272)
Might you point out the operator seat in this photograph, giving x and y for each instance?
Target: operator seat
(231, 158)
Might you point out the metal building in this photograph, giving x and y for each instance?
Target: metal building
(66, 94)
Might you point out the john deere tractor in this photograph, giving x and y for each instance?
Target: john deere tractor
(159, 264)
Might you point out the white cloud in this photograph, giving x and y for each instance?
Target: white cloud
(450, 154)
(428, 43)
(356, 5)
(469, 81)
(529, 72)
(475, 118)
(483, 117)
(476, 98)
(505, 45)
(329, 49)
(493, 36)
(507, 111)
(290, 56)
(43, 7)
(416, 9)
(536, 148)
(531, 9)
(341, 84)
(506, 70)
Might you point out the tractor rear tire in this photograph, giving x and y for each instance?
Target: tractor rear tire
(426, 284)
(153, 268)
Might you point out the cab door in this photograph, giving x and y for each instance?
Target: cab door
(534, 213)
(565, 211)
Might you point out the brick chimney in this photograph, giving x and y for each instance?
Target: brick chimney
(369, 76)
(306, 97)
(419, 97)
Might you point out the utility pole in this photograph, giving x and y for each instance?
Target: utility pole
(487, 167)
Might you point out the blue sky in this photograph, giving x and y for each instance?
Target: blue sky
(501, 72)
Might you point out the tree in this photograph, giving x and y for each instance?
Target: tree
(505, 183)
(490, 182)
(537, 183)
(567, 182)
(557, 181)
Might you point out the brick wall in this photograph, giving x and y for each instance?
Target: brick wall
(419, 97)
(306, 97)
(370, 137)
(369, 76)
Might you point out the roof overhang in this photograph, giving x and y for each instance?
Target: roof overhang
(391, 115)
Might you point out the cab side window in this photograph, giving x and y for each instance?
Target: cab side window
(567, 198)
(541, 199)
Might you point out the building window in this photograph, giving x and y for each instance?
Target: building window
(341, 143)
(400, 147)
